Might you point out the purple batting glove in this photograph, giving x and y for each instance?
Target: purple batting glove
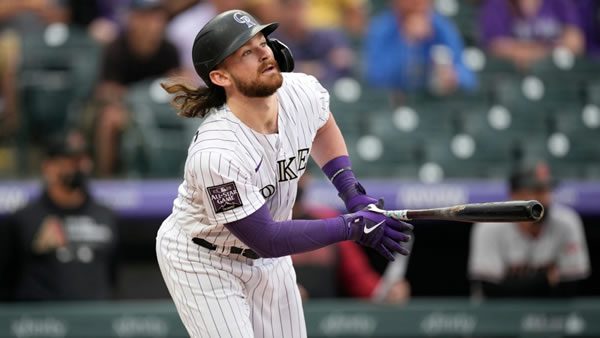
(384, 234)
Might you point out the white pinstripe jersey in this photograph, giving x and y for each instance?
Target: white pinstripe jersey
(231, 170)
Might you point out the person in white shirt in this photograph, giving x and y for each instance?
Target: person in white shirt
(542, 259)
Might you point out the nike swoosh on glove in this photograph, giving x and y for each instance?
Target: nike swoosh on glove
(374, 230)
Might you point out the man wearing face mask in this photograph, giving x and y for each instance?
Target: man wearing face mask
(62, 245)
(544, 259)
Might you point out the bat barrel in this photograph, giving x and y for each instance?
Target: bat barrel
(509, 211)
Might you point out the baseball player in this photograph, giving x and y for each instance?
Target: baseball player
(224, 250)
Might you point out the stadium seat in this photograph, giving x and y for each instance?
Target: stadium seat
(376, 156)
(562, 64)
(593, 92)
(509, 93)
(413, 124)
(464, 15)
(571, 155)
(580, 119)
(352, 103)
(401, 134)
(57, 73)
(493, 70)
(156, 142)
(464, 155)
(509, 125)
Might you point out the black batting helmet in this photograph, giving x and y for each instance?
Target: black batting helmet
(227, 32)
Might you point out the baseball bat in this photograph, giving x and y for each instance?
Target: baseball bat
(507, 211)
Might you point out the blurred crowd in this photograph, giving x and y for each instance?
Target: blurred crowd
(399, 46)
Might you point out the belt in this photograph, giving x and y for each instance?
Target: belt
(248, 253)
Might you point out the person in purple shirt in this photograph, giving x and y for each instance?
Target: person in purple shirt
(410, 47)
(526, 31)
(589, 11)
(323, 53)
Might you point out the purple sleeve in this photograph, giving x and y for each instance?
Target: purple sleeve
(566, 12)
(494, 21)
(275, 239)
(338, 171)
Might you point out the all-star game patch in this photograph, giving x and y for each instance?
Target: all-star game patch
(224, 197)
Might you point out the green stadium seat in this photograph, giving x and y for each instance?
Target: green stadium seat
(495, 65)
(156, 142)
(510, 125)
(567, 68)
(64, 47)
(375, 156)
(493, 70)
(352, 102)
(537, 93)
(593, 92)
(404, 132)
(46, 98)
(583, 120)
(413, 120)
(57, 73)
(465, 155)
(571, 155)
(464, 15)
(453, 102)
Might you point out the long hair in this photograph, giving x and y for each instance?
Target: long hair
(194, 102)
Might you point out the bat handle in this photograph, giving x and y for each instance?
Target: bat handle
(400, 215)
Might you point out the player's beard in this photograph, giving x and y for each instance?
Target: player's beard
(260, 86)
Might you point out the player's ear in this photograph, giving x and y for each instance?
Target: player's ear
(220, 78)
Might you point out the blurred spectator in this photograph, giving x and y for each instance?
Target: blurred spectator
(62, 245)
(324, 54)
(9, 59)
(410, 47)
(340, 270)
(542, 259)
(589, 12)
(98, 17)
(346, 15)
(18, 18)
(141, 52)
(31, 15)
(264, 10)
(192, 19)
(525, 31)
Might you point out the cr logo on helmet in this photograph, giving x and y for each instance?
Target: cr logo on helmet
(245, 19)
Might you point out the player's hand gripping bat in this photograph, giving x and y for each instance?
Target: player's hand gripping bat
(508, 211)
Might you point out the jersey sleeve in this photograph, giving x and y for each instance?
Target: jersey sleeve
(319, 100)
(322, 100)
(225, 185)
(485, 260)
(573, 260)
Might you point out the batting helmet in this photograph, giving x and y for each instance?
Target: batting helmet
(227, 32)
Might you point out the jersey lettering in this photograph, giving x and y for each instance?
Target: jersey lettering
(302, 158)
(286, 172)
(268, 191)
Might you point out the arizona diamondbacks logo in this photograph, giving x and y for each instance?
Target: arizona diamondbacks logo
(244, 19)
